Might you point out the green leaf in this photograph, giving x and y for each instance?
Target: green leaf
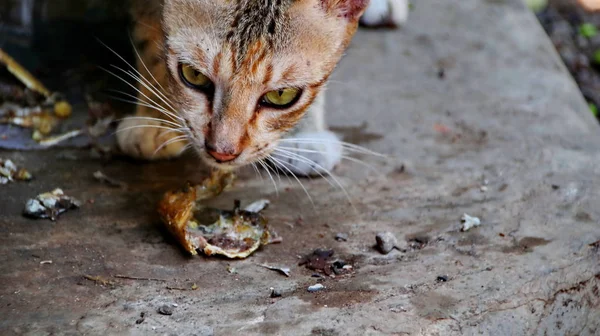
(588, 30)
(596, 56)
(594, 109)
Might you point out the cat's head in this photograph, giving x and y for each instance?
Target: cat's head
(244, 72)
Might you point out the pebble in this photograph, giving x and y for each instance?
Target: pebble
(469, 222)
(315, 288)
(386, 241)
(275, 293)
(442, 278)
(341, 237)
(165, 310)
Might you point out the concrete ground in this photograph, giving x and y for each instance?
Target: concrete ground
(470, 94)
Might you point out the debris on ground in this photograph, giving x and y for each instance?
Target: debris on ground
(141, 319)
(99, 280)
(50, 205)
(469, 222)
(321, 260)
(101, 177)
(275, 293)
(166, 310)
(283, 270)
(55, 140)
(231, 269)
(257, 206)
(316, 288)
(45, 262)
(442, 278)
(233, 233)
(9, 172)
(34, 107)
(386, 242)
(341, 237)
(318, 260)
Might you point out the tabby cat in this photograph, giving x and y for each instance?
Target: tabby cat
(241, 81)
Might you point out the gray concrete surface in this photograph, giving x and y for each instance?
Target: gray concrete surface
(505, 112)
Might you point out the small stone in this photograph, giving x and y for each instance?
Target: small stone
(316, 288)
(341, 237)
(141, 319)
(165, 310)
(386, 241)
(469, 222)
(275, 293)
(442, 278)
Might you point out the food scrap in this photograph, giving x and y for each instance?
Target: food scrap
(469, 222)
(283, 270)
(322, 261)
(9, 172)
(34, 107)
(50, 205)
(101, 177)
(233, 233)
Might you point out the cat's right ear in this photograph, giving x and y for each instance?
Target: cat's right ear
(349, 9)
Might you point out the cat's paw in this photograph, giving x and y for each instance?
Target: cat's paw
(381, 13)
(148, 140)
(309, 154)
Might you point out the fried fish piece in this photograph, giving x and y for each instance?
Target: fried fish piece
(233, 233)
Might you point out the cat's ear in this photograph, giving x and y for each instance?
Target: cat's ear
(349, 9)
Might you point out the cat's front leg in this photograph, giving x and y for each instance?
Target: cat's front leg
(381, 13)
(311, 149)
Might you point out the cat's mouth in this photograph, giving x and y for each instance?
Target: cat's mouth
(234, 160)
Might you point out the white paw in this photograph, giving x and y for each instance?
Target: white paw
(386, 13)
(309, 154)
(148, 139)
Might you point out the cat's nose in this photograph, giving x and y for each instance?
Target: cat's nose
(221, 155)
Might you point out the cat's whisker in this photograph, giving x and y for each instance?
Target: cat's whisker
(266, 168)
(149, 88)
(132, 67)
(257, 171)
(170, 141)
(169, 114)
(345, 157)
(140, 102)
(280, 164)
(153, 119)
(314, 164)
(147, 84)
(346, 145)
(137, 53)
(186, 147)
(170, 129)
(284, 154)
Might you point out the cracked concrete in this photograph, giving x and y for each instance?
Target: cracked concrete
(505, 115)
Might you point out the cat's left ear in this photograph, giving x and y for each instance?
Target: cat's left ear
(349, 9)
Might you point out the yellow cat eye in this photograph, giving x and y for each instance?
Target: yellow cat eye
(281, 98)
(194, 77)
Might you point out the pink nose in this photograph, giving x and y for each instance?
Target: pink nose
(222, 157)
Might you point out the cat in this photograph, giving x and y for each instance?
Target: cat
(241, 81)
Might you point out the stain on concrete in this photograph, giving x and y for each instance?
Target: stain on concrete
(433, 306)
(525, 245)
